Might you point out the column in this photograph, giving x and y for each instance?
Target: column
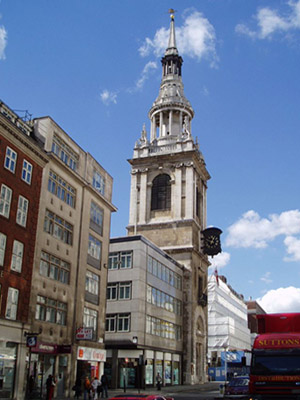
(160, 124)
(133, 199)
(189, 192)
(153, 129)
(170, 121)
(177, 200)
(143, 197)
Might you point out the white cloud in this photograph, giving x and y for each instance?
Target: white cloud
(147, 71)
(269, 22)
(108, 97)
(219, 261)
(281, 300)
(293, 248)
(196, 38)
(3, 42)
(266, 278)
(253, 231)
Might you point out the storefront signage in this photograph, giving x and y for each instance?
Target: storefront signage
(84, 334)
(90, 354)
(31, 341)
(51, 348)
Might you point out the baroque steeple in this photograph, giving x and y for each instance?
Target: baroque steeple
(171, 113)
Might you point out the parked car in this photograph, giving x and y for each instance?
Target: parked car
(140, 397)
(237, 388)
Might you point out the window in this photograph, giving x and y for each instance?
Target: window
(122, 259)
(10, 160)
(61, 189)
(123, 323)
(5, 200)
(12, 303)
(17, 256)
(64, 152)
(161, 193)
(92, 283)
(99, 182)
(111, 292)
(163, 300)
(2, 248)
(159, 270)
(94, 249)
(22, 211)
(27, 172)
(58, 227)
(54, 268)
(51, 310)
(110, 323)
(97, 218)
(124, 290)
(113, 260)
(158, 327)
(90, 318)
(117, 322)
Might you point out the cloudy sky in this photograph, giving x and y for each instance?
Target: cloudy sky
(94, 67)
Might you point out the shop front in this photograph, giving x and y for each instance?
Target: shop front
(8, 359)
(48, 359)
(90, 362)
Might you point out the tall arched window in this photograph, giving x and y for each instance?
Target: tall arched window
(161, 193)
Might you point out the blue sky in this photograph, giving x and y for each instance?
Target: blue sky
(94, 67)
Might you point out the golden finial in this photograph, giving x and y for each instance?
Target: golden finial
(172, 12)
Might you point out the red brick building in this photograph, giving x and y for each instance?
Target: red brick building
(21, 166)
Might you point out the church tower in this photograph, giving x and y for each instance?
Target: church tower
(168, 201)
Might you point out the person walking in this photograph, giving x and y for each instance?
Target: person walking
(87, 388)
(95, 384)
(158, 381)
(104, 385)
(77, 388)
(50, 385)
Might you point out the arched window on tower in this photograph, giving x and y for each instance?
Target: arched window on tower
(161, 193)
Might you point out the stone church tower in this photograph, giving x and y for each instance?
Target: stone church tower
(168, 201)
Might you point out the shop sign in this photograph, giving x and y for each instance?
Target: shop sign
(84, 334)
(90, 354)
(31, 341)
(51, 348)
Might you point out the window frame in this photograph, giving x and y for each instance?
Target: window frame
(17, 256)
(10, 160)
(112, 288)
(5, 201)
(126, 288)
(27, 170)
(3, 239)
(22, 211)
(11, 310)
(99, 182)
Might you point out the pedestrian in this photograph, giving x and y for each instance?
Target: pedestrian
(104, 385)
(95, 384)
(77, 388)
(87, 388)
(158, 381)
(50, 385)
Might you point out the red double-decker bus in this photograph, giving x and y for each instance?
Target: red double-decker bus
(275, 364)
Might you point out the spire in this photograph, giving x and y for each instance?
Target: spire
(172, 49)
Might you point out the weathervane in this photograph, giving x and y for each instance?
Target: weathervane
(172, 12)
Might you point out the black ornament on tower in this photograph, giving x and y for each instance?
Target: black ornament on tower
(211, 241)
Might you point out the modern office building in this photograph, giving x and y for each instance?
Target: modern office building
(144, 314)
(168, 201)
(21, 167)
